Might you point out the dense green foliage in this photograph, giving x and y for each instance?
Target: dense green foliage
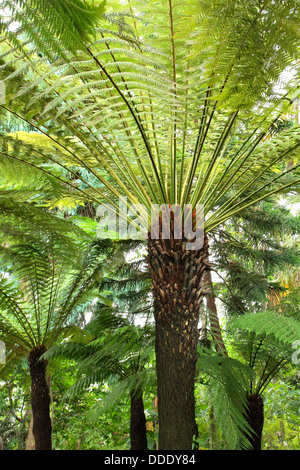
(149, 102)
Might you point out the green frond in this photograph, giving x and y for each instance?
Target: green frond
(25, 223)
(182, 115)
(68, 22)
(228, 396)
(139, 381)
(15, 325)
(282, 329)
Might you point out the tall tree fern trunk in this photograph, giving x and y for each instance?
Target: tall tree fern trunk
(255, 417)
(176, 278)
(138, 433)
(40, 399)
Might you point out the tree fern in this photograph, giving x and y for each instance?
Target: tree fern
(118, 353)
(44, 289)
(115, 349)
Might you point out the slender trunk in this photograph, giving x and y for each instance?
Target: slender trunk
(138, 433)
(176, 278)
(203, 339)
(255, 418)
(213, 316)
(213, 430)
(40, 399)
(30, 436)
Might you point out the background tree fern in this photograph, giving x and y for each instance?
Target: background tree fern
(118, 346)
(38, 293)
(267, 348)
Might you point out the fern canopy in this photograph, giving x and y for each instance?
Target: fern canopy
(41, 288)
(180, 112)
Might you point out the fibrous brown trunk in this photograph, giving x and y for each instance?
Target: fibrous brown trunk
(255, 418)
(138, 433)
(40, 399)
(176, 279)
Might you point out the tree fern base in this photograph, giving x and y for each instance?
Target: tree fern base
(255, 418)
(176, 284)
(40, 399)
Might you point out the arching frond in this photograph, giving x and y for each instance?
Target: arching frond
(180, 113)
(229, 380)
(71, 22)
(283, 329)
